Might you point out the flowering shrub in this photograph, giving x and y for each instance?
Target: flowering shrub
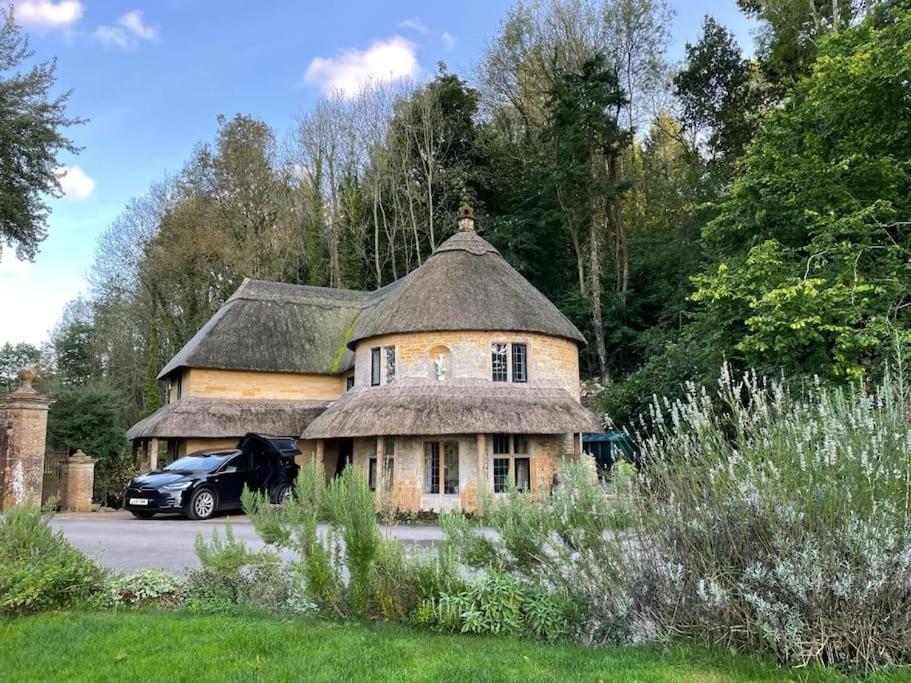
(776, 522)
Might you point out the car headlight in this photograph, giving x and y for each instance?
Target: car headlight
(179, 486)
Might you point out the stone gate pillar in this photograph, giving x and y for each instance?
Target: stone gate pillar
(77, 478)
(23, 433)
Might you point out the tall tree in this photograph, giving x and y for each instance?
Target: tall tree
(32, 125)
(720, 94)
(586, 141)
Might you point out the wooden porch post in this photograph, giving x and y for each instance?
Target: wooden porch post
(481, 444)
(153, 453)
(380, 470)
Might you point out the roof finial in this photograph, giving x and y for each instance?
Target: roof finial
(466, 215)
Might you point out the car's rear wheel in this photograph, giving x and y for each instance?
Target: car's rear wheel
(285, 491)
(142, 514)
(202, 504)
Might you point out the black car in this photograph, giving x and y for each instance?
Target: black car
(200, 484)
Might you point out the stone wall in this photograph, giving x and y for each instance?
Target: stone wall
(549, 358)
(209, 383)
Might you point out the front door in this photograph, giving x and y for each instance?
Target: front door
(345, 454)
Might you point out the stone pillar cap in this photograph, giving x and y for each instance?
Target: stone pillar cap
(79, 456)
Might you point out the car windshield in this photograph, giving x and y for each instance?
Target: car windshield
(201, 462)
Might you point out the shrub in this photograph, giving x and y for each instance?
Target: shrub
(149, 588)
(776, 522)
(500, 604)
(111, 478)
(39, 569)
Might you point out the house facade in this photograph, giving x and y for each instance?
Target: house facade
(458, 377)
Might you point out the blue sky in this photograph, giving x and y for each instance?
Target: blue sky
(152, 77)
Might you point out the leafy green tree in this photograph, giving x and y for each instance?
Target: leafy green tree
(813, 243)
(93, 418)
(719, 92)
(585, 141)
(13, 357)
(32, 124)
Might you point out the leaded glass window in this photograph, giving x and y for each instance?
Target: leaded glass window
(498, 358)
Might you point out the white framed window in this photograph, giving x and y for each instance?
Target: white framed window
(511, 462)
(509, 362)
(389, 357)
(375, 366)
(441, 467)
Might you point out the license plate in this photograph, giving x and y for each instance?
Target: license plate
(139, 501)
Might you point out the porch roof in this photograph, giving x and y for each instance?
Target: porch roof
(222, 418)
(455, 406)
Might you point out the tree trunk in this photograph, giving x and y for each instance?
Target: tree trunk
(594, 272)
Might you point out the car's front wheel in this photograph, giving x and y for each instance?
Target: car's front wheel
(142, 514)
(202, 504)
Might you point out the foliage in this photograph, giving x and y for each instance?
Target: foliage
(92, 418)
(13, 357)
(111, 478)
(39, 569)
(149, 588)
(812, 243)
(778, 522)
(31, 137)
(719, 92)
(501, 605)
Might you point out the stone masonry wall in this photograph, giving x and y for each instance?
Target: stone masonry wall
(208, 383)
(550, 358)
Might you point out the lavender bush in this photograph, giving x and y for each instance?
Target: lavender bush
(772, 521)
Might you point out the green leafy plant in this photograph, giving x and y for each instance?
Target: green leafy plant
(39, 569)
(149, 588)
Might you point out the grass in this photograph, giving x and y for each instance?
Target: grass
(170, 646)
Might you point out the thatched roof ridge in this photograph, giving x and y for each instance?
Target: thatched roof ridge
(191, 417)
(464, 285)
(276, 327)
(415, 406)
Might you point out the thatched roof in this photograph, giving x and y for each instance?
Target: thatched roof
(224, 418)
(414, 406)
(464, 285)
(276, 327)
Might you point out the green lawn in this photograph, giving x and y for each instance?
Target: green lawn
(167, 646)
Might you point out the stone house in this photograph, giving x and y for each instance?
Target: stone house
(460, 375)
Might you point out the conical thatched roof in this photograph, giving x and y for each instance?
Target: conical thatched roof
(224, 418)
(415, 406)
(276, 327)
(464, 285)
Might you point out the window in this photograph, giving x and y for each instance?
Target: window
(441, 467)
(498, 362)
(520, 444)
(500, 474)
(511, 460)
(375, 367)
(519, 363)
(371, 474)
(390, 364)
(349, 383)
(451, 468)
(522, 468)
(432, 467)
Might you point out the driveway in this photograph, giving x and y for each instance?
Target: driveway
(120, 542)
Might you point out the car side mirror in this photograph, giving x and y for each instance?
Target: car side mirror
(230, 469)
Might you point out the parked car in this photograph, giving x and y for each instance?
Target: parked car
(202, 483)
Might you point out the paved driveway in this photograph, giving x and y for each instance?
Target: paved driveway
(118, 541)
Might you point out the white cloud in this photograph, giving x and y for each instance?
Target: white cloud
(351, 70)
(415, 24)
(129, 32)
(75, 183)
(48, 13)
(32, 298)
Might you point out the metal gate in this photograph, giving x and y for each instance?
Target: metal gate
(50, 485)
